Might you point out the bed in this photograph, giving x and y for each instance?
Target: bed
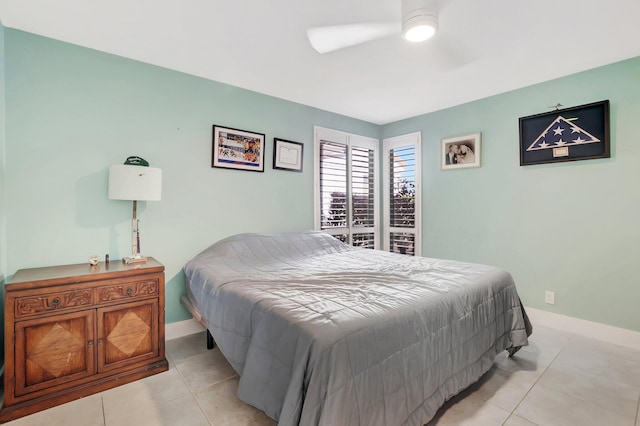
(322, 333)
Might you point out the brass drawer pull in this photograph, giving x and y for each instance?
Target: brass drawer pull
(129, 291)
(55, 302)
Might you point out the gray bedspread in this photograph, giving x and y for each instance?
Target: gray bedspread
(324, 333)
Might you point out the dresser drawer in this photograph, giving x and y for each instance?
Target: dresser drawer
(127, 290)
(36, 304)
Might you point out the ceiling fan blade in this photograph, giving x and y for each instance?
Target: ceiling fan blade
(328, 39)
(452, 53)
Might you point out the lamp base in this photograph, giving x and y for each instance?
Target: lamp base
(134, 259)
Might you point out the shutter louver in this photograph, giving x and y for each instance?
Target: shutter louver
(403, 243)
(362, 187)
(333, 185)
(402, 197)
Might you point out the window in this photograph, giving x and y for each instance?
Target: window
(402, 201)
(346, 197)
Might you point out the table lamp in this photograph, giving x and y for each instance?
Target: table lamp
(135, 181)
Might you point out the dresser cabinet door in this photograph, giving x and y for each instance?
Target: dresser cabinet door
(54, 350)
(127, 334)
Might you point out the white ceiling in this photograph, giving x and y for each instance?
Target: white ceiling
(484, 47)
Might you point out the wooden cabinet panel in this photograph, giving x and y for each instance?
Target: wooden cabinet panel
(74, 330)
(54, 350)
(127, 334)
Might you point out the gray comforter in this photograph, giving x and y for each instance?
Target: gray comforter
(324, 333)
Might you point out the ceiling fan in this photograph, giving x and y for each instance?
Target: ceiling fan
(419, 23)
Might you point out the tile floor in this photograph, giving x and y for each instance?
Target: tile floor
(560, 379)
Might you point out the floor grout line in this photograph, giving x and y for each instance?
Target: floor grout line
(534, 385)
(104, 414)
(195, 349)
(194, 392)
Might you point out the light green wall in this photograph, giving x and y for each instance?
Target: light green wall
(3, 250)
(569, 227)
(3, 223)
(72, 112)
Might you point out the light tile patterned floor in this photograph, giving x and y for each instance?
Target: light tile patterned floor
(560, 379)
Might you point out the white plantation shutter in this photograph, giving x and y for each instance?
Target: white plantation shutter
(346, 195)
(333, 185)
(363, 196)
(402, 201)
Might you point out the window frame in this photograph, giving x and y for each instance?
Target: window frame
(414, 139)
(351, 141)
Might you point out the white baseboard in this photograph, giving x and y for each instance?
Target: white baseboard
(593, 330)
(182, 328)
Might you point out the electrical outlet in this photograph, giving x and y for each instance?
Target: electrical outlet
(550, 297)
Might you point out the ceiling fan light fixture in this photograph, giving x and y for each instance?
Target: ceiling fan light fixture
(419, 31)
(419, 20)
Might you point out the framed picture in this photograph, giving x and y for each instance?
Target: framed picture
(287, 155)
(237, 149)
(461, 152)
(570, 134)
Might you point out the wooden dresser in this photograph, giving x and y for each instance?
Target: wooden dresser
(74, 330)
